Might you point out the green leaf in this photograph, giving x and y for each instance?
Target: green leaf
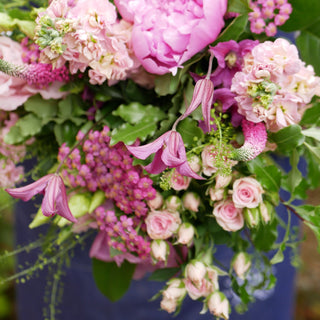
(269, 176)
(234, 29)
(315, 151)
(240, 6)
(308, 43)
(264, 237)
(312, 133)
(311, 116)
(42, 108)
(167, 83)
(313, 172)
(304, 14)
(27, 27)
(128, 133)
(163, 274)
(278, 257)
(294, 176)
(288, 138)
(136, 112)
(111, 280)
(190, 132)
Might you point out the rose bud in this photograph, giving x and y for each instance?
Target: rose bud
(241, 263)
(266, 212)
(185, 233)
(159, 250)
(173, 203)
(157, 202)
(218, 305)
(195, 271)
(252, 217)
(191, 201)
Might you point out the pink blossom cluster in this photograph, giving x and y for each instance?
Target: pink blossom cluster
(15, 90)
(110, 169)
(229, 203)
(274, 85)
(87, 34)
(120, 233)
(267, 15)
(10, 172)
(168, 33)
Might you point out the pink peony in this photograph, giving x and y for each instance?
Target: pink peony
(247, 193)
(162, 224)
(228, 216)
(168, 33)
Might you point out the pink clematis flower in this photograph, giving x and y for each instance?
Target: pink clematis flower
(202, 94)
(169, 152)
(55, 197)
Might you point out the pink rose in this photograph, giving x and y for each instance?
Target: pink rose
(168, 33)
(178, 181)
(228, 216)
(195, 292)
(13, 91)
(247, 192)
(162, 224)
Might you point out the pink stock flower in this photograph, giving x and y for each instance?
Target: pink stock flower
(169, 152)
(255, 139)
(55, 197)
(168, 33)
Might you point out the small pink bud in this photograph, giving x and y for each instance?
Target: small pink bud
(218, 305)
(216, 194)
(185, 233)
(191, 201)
(195, 271)
(173, 203)
(159, 250)
(157, 202)
(241, 264)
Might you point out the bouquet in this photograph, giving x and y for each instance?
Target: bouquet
(159, 127)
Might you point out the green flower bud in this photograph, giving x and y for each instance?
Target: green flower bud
(252, 217)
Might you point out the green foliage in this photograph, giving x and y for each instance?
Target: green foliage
(234, 29)
(268, 175)
(308, 43)
(303, 16)
(112, 281)
(288, 138)
(190, 132)
(140, 123)
(240, 6)
(163, 274)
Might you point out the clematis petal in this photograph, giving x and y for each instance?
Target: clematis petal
(62, 206)
(171, 156)
(48, 206)
(157, 165)
(143, 152)
(27, 192)
(185, 170)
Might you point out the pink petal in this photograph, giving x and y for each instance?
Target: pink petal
(27, 192)
(143, 152)
(157, 165)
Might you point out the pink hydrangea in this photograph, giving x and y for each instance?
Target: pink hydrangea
(168, 33)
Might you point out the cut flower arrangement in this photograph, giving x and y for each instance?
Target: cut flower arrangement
(158, 126)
